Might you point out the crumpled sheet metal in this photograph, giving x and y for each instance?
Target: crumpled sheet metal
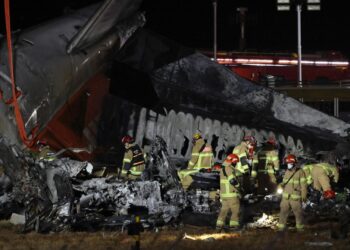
(72, 167)
(122, 195)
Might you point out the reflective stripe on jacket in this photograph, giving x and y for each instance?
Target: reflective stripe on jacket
(227, 190)
(329, 170)
(202, 156)
(241, 151)
(268, 161)
(296, 187)
(255, 165)
(134, 160)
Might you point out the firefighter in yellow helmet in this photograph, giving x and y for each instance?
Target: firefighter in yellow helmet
(133, 161)
(267, 167)
(229, 193)
(320, 175)
(294, 193)
(201, 158)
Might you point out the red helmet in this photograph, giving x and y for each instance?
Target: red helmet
(127, 139)
(250, 139)
(232, 158)
(329, 194)
(272, 141)
(42, 142)
(290, 159)
(216, 167)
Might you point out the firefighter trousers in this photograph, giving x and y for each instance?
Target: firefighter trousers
(267, 183)
(229, 208)
(295, 205)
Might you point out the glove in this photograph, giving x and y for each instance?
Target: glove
(329, 194)
(203, 170)
(234, 182)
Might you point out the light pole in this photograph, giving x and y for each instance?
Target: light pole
(242, 18)
(312, 5)
(215, 5)
(300, 74)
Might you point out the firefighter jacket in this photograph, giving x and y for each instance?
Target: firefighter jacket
(228, 176)
(134, 160)
(268, 162)
(294, 185)
(202, 155)
(317, 171)
(46, 154)
(255, 163)
(242, 151)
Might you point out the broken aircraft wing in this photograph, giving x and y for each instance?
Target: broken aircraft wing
(187, 81)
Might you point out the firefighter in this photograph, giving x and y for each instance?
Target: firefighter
(320, 176)
(245, 151)
(133, 161)
(201, 158)
(294, 193)
(45, 152)
(267, 167)
(229, 193)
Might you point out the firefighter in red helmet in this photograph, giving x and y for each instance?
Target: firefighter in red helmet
(247, 159)
(294, 193)
(229, 193)
(267, 167)
(133, 161)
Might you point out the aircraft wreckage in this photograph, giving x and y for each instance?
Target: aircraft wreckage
(85, 79)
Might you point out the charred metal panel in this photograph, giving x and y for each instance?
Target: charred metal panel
(46, 75)
(177, 128)
(190, 85)
(102, 22)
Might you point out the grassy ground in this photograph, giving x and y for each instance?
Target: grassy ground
(11, 238)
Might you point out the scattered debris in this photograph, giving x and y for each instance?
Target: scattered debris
(318, 244)
(63, 194)
(265, 221)
(17, 219)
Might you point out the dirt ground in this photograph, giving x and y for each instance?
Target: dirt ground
(184, 238)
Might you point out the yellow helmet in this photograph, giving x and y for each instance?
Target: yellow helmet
(197, 136)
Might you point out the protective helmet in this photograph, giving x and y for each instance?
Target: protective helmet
(249, 138)
(232, 158)
(290, 159)
(329, 194)
(42, 142)
(127, 139)
(271, 141)
(197, 136)
(216, 167)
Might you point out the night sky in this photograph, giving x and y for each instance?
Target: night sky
(190, 22)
